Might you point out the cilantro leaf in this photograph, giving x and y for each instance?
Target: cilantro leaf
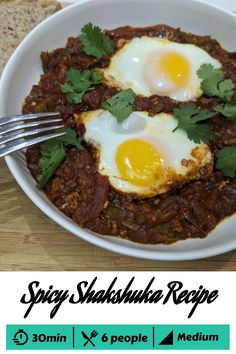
(211, 79)
(200, 133)
(70, 138)
(95, 42)
(67, 88)
(74, 76)
(53, 153)
(213, 83)
(207, 71)
(226, 161)
(120, 105)
(226, 90)
(50, 161)
(188, 115)
(83, 81)
(78, 83)
(74, 97)
(228, 110)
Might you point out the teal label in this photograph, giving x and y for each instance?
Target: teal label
(192, 337)
(117, 337)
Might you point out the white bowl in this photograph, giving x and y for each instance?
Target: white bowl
(24, 68)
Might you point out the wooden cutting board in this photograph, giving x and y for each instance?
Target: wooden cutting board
(31, 241)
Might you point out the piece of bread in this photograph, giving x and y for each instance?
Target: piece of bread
(17, 18)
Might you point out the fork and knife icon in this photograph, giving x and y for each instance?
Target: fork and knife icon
(89, 338)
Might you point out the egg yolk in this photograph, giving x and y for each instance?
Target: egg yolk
(139, 162)
(175, 66)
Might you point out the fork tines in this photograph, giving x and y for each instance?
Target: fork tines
(20, 131)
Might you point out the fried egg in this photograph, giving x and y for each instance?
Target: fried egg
(142, 155)
(150, 65)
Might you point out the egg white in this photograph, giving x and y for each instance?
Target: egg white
(183, 159)
(127, 66)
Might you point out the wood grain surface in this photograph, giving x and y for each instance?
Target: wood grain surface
(29, 240)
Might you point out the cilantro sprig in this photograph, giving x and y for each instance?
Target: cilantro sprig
(120, 105)
(95, 42)
(188, 116)
(226, 161)
(214, 84)
(77, 83)
(53, 153)
(228, 110)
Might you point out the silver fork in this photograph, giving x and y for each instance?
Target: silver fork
(20, 131)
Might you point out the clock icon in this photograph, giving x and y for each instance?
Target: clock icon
(20, 337)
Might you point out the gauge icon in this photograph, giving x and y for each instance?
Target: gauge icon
(20, 337)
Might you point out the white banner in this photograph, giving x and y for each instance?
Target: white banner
(124, 298)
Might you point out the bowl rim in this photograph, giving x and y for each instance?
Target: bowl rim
(106, 241)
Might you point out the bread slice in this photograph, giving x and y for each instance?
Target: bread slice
(17, 18)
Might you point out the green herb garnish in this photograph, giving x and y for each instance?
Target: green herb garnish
(95, 42)
(53, 153)
(228, 110)
(213, 83)
(120, 105)
(78, 83)
(70, 138)
(226, 161)
(188, 116)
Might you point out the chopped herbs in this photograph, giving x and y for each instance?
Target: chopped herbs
(213, 83)
(120, 105)
(53, 153)
(78, 83)
(95, 42)
(226, 161)
(188, 116)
